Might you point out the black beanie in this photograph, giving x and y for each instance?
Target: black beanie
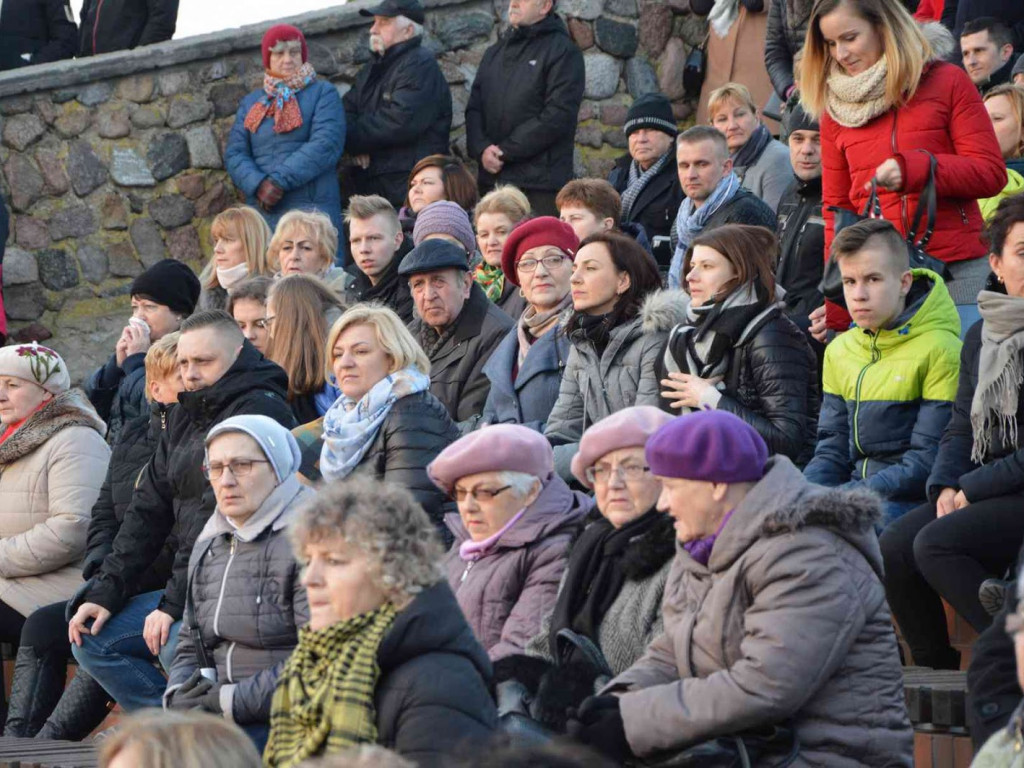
(652, 110)
(795, 119)
(170, 283)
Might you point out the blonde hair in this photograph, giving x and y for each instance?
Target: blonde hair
(318, 228)
(904, 46)
(392, 334)
(297, 335)
(251, 228)
(173, 739)
(1015, 95)
(504, 199)
(161, 360)
(363, 207)
(730, 91)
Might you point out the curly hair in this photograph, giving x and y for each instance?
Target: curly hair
(385, 523)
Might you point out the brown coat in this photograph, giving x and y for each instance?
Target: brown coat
(51, 471)
(787, 622)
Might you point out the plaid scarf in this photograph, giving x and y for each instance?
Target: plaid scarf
(491, 279)
(637, 182)
(279, 101)
(323, 702)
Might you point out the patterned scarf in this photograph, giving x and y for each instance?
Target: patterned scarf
(690, 221)
(854, 100)
(323, 702)
(491, 279)
(1000, 372)
(350, 426)
(533, 324)
(638, 180)
(280, 102)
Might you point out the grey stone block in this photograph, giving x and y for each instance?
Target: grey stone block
(202, 147)
(86, 170)
(130, 170)
(20, 267)
(602, 75)
(171, 211)
(22, 131)
(148, 243)
(167, 155)
(94, 263)
(73, 221)
(57, 270)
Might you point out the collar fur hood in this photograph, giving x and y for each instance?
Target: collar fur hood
(664, 310)
(68, 409)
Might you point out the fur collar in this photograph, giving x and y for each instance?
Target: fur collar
(664, 310)
(854, 510)
(68, 409)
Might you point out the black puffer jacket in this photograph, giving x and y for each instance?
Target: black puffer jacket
(432, 697)
(802, 247)
(398, 112)
(526, 98)
(771, 383)
(656, 206)
(173, 490)
(391, 290)
(36, 32)
(118, 392)
(784, 39)
(1002, 472)
(114, 25)
(133, 450)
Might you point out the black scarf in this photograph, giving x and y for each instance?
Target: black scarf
(596, 329)
(600, 563)
(750, 152)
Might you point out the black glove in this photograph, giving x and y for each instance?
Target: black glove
(598, 723)
(197, 693)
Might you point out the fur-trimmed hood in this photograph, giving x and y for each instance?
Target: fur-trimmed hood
(664, 310)
(68, 409)
(783, 502)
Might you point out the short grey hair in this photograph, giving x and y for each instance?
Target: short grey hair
(381, 520)
(405, 21)
(521, 483)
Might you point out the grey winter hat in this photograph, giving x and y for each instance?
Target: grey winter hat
(276, 442)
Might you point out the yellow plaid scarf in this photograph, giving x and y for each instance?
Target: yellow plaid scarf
(324, 698)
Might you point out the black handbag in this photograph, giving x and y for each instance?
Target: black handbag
(742, 750)
(831, 286)
(695, 70)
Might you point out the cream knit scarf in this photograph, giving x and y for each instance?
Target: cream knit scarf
(854, 100)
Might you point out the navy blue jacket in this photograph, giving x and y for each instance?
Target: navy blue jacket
(302, 162)
(118, 392)
(529, 399)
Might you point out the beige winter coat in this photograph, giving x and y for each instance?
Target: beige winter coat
(51, 470)
(787, 622)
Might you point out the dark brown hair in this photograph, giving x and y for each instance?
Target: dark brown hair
(250, 289)
(1009, 213)
(459, 184)
(854, 238)
(753, 252)
(596, 195)
(631, 258)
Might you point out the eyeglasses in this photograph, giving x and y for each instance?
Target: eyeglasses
(554, 261)
(238, 467)
(478, 494)
(601, 474)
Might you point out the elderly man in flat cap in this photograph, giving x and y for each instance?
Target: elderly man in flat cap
(457, 326)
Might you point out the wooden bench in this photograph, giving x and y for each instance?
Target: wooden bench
(937, 706)
(36, 753)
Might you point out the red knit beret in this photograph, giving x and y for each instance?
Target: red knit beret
(282, 33)
(544, 230)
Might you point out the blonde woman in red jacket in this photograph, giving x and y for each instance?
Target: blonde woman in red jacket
(886, 104)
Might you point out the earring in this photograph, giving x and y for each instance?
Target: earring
(1000, 279)
(521, 294)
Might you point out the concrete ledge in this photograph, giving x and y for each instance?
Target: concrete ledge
(72, 72)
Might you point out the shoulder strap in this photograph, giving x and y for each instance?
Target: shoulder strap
(206, 666)
(927, 204)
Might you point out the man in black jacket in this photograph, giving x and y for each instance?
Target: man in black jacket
(114, 25)
(646, 178)
(801, 227)
(377, 245)
(986, 45)
(956, 14)
(522, 111)
(36, 32)
(400, 108)
(224, 376)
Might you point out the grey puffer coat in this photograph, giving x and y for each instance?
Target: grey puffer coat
(788, 621)
(248, 602)
(507, 593)
(594, 387)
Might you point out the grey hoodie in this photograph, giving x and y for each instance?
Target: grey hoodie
(788, 621)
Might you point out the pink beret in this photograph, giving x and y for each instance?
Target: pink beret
(628, 428)
(498, 448)
(532, 233)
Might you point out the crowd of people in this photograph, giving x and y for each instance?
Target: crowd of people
(613, 467)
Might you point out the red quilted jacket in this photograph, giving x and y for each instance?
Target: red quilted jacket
(946, 118)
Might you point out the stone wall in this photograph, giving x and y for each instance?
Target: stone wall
(112, 163)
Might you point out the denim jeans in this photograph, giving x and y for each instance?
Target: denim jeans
(118, 659)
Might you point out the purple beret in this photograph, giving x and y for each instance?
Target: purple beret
(628, 428)
(498, 448)
(713, 446)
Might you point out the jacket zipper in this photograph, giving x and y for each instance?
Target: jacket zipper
(903, 198)
(223, 586)
(963, 214)
(96, 24)
(875, 357)
(465, 573)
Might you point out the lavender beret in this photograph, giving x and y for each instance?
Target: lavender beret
(628, 428)
(712, 446)
(498, 448)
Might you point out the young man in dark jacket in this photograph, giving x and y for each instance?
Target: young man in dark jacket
(36, 32)
(986, 47)
(114, 25)
(400, 108)
(224, 376)
(522, 111)
(377, 246)
(646, 178)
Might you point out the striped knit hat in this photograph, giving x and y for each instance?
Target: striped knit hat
(652, 110)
